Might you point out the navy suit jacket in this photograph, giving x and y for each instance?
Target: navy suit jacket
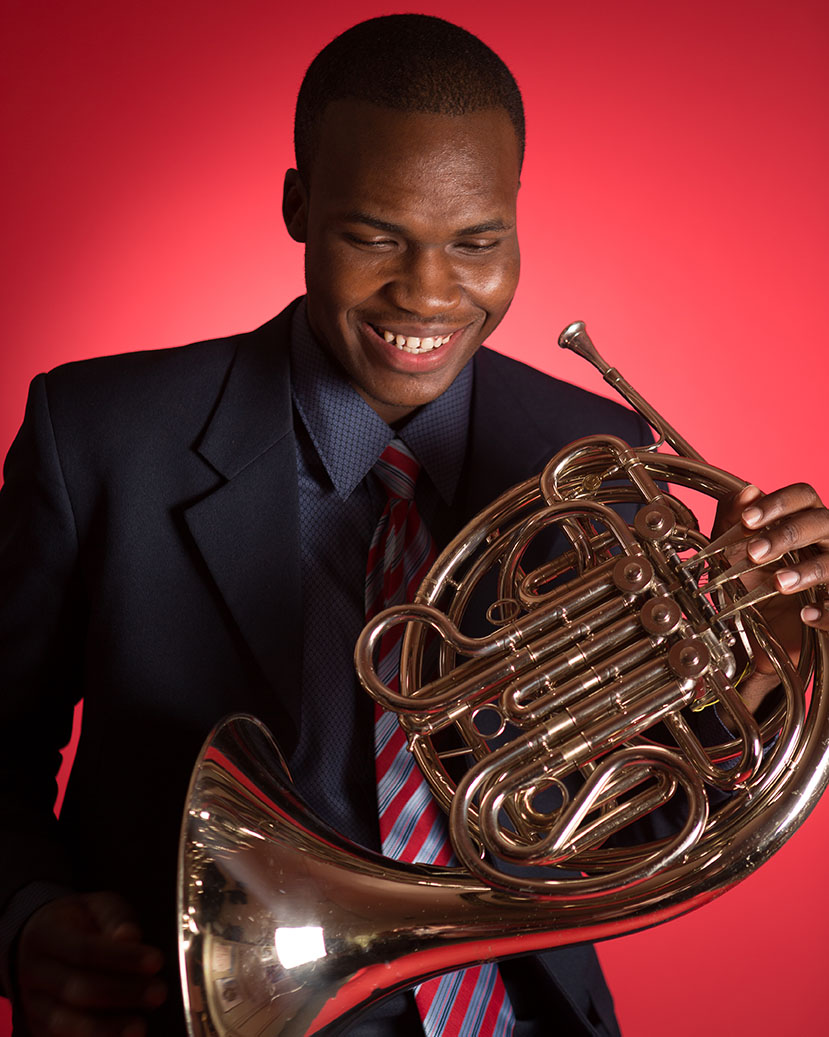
(149, 564)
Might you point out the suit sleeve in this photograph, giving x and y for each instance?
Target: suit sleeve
(42, 611)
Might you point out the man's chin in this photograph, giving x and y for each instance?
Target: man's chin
(394, 405)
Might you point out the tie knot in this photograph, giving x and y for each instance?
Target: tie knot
(397, 469)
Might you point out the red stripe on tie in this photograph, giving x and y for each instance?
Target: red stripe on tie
(398, 804)
(386, 756)
(463, 997)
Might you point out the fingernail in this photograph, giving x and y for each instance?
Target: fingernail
(759, 548)
(750, 493)
(787, 579)
(751, 516)
(810, 614)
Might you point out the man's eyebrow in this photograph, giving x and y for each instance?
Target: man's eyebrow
(487, 227)
(373, 221)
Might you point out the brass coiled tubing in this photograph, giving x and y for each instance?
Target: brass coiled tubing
(550, 740)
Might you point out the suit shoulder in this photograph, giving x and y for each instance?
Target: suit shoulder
(192, 361)
(153, 380)
(547, 401)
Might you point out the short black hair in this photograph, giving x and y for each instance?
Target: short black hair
(411, 62)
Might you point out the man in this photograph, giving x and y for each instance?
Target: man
(184, 533)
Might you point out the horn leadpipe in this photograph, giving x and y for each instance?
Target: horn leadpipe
(575, 337)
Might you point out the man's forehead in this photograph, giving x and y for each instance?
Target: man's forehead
(355, 129)
(392, 165)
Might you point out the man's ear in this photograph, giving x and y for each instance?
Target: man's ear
(295, 206)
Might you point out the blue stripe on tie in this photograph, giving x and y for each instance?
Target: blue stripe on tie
(420, 551)
(374, 588)
(396, 479)
(393, 554)
(396, 483)
(384, 727)
(434, 842)
(401, 831)
(442, 1002)
(394, 779)
(388, 664)
(400, 834)
(471, 1026)
(505, 1022)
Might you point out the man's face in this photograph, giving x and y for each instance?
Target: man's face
(411, 253)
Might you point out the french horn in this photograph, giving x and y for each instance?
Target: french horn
(555, 741)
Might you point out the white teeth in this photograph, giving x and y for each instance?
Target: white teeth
(413, 344)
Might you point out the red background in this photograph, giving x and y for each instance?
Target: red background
(674, 197)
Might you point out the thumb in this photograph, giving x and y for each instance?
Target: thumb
(730, 509)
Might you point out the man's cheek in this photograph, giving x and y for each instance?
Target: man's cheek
(341, 285)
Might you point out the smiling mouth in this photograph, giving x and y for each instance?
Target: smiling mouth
(412, 343)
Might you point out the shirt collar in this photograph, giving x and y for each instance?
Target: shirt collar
(349, 436)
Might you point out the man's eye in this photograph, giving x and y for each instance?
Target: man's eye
(477, 246)
(370, 243)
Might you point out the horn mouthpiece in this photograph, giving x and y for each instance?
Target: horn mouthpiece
(575, 337)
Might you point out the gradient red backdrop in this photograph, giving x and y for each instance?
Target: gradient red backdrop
(674, 197)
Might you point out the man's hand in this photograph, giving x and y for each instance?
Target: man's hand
(82, 969)
(789, 519)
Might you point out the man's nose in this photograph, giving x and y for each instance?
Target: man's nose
(426, 283)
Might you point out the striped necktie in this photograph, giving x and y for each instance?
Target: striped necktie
(474, 1001)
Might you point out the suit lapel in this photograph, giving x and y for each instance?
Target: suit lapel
(505, 444)
(248, 529)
